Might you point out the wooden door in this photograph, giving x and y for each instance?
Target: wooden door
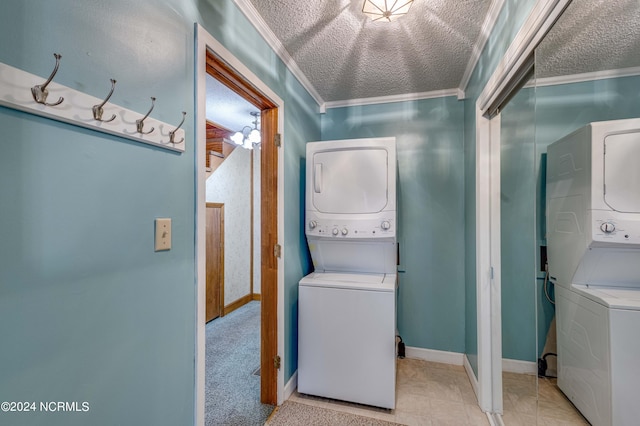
(215, 261)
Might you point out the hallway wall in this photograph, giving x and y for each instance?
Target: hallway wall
(230, 184)
(88, 311)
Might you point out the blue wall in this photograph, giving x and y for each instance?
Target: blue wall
(430, 210)
(88, 311)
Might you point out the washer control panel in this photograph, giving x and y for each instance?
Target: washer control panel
(354, 228)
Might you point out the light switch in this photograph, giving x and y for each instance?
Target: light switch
(163, 234)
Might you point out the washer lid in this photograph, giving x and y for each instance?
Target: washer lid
(613, 297)
(375, 282)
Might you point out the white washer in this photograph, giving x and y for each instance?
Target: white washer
(346, 338)
(598, 348)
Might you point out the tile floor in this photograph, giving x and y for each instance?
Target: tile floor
(427, 393)
(552, 407)
(434, 394)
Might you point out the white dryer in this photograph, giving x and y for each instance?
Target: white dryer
(347, 306)
(593, 237)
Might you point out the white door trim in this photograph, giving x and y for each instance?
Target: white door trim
(488, 262)
(205, 41)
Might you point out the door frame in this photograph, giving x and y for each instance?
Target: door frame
(500, 86)
(488, 263)
(206, 42)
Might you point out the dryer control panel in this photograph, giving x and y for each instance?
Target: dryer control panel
(356, 228)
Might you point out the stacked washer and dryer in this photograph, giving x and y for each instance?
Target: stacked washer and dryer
(593, 237)
(347, 306)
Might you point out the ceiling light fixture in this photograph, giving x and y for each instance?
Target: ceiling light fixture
(386, 10)
(248, 137)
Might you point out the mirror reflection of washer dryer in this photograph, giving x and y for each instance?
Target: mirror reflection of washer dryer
(593, 246)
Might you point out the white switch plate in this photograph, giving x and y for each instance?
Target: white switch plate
(163, 233)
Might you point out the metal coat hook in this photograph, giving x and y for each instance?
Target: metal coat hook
(140, 122)
(40, 91)
(97, 109)
(172, 134)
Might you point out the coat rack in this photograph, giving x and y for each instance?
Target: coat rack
(25, 92)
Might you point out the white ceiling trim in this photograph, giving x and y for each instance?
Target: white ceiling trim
(542, 17)
(258, 22)
(392, 98)
(584, 77)
(487, 27)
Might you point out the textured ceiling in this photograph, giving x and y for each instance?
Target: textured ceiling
(347, 56)
(591, 35)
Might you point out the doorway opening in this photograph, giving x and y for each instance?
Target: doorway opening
(214, 60)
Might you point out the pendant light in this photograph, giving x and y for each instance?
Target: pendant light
(386, 10)
(248, 137)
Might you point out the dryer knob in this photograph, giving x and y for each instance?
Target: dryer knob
(335, 231)
(313, 224)
(385, 225)
(344, 231)
(607, 227)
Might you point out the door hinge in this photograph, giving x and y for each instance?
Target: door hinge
(277, 140)
(276, 362)
(277, 250)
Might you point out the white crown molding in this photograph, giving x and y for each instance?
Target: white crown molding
(256, 20)
(584, 77)
(487, 27)
(391, 98)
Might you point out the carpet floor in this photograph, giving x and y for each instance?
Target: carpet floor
(295, 414)
(232, 396)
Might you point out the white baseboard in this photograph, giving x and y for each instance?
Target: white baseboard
(471, 375)
(291, 386)
(520, 367)
(433, 355)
